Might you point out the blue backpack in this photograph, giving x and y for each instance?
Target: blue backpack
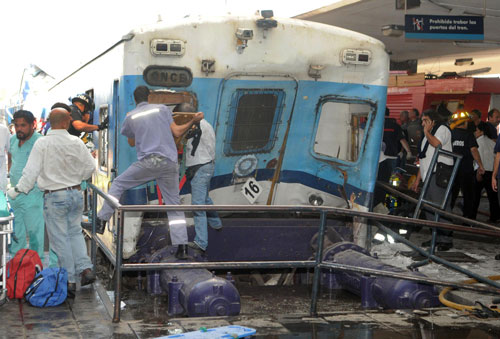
(49, 288)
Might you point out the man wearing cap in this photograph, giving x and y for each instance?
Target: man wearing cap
(151, 130)
(28, 208)
(80, 113)
(58, 163)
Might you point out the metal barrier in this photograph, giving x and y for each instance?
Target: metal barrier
(317, 264)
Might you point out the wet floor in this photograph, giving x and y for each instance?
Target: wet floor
(275, 312)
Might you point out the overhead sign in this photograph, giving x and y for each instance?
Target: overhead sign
(168, 76)
(444, 27)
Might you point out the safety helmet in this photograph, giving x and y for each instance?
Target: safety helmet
(85, 100)
(458, 118)
(395, 180)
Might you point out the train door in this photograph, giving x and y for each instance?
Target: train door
(252, 122)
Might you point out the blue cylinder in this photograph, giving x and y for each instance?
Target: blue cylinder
(203, 294)
(375, 291)
(196, 292)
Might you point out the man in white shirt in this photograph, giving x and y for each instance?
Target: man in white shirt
(4, 149)
(58, 163)
(486, 151)
(200, 156)
(435, 134)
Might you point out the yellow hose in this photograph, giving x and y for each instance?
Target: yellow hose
(461, 307)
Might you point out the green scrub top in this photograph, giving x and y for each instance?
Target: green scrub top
(19, 156)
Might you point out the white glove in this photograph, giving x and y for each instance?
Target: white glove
(408, 156)
(12, 193)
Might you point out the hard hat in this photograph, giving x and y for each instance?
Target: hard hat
(395, 180)
(85, 100)
(458, 118)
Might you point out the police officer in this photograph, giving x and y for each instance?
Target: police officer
(82, 107)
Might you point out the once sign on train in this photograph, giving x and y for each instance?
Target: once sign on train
(168, 76)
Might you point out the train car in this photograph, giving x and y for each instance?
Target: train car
(297, 106)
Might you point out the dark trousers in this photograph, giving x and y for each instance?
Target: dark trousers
(492, 196)
(385, 169)
(464, 182)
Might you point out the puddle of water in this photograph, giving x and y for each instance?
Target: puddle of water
(346, 330)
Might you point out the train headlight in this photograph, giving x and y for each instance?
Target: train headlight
(315, 200)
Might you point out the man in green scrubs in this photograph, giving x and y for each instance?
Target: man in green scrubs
(28, 208)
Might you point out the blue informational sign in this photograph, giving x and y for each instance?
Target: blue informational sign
(444, 27)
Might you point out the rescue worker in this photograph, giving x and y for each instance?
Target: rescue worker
(82, 107)
(464, 143)
(151, 129)
(57, 164)
(28, 208)
(200, 156)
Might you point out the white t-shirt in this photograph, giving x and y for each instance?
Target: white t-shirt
(486, 152)
(206, 148)
(443, 134)
(4, 149)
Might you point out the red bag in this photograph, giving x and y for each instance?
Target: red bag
(21, 271)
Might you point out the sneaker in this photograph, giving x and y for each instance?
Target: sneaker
(88, 277)
(196, 247)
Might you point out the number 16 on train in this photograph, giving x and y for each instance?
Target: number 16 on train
(251, 190)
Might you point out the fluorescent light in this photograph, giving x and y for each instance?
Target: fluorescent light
(379, 237)
(393, 30)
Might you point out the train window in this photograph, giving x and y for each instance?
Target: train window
(340, 130)
(103, 140)
(254, 116)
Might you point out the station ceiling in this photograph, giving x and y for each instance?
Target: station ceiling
(369, 16)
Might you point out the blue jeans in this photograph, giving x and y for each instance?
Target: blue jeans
(200, 185)
(62, 211)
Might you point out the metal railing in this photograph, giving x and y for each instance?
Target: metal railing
(317, 264)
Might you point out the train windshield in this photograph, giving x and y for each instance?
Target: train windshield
(340, 130)
(254, 115)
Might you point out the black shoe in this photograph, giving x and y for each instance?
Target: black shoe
(100, 226)
(196, 247)
(444, 246)
(182, 252)
(427, 243)
(71, 290)
(88, 277)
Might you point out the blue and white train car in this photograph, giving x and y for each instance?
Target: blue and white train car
(297, 107)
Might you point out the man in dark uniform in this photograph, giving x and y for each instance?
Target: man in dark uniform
(464, 143)
(80, 115)
(393, 139)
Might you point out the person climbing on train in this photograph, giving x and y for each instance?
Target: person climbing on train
(151, 129)
(82, 107)
(28, 208)
(200, 157)
(57, 164)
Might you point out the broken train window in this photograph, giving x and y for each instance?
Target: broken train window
(340, 129)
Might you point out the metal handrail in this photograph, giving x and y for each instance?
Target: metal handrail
(317, 264)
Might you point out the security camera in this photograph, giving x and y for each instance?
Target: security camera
(244, 33)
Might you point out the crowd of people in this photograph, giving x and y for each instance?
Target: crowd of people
(475, 140)
(48, 169)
